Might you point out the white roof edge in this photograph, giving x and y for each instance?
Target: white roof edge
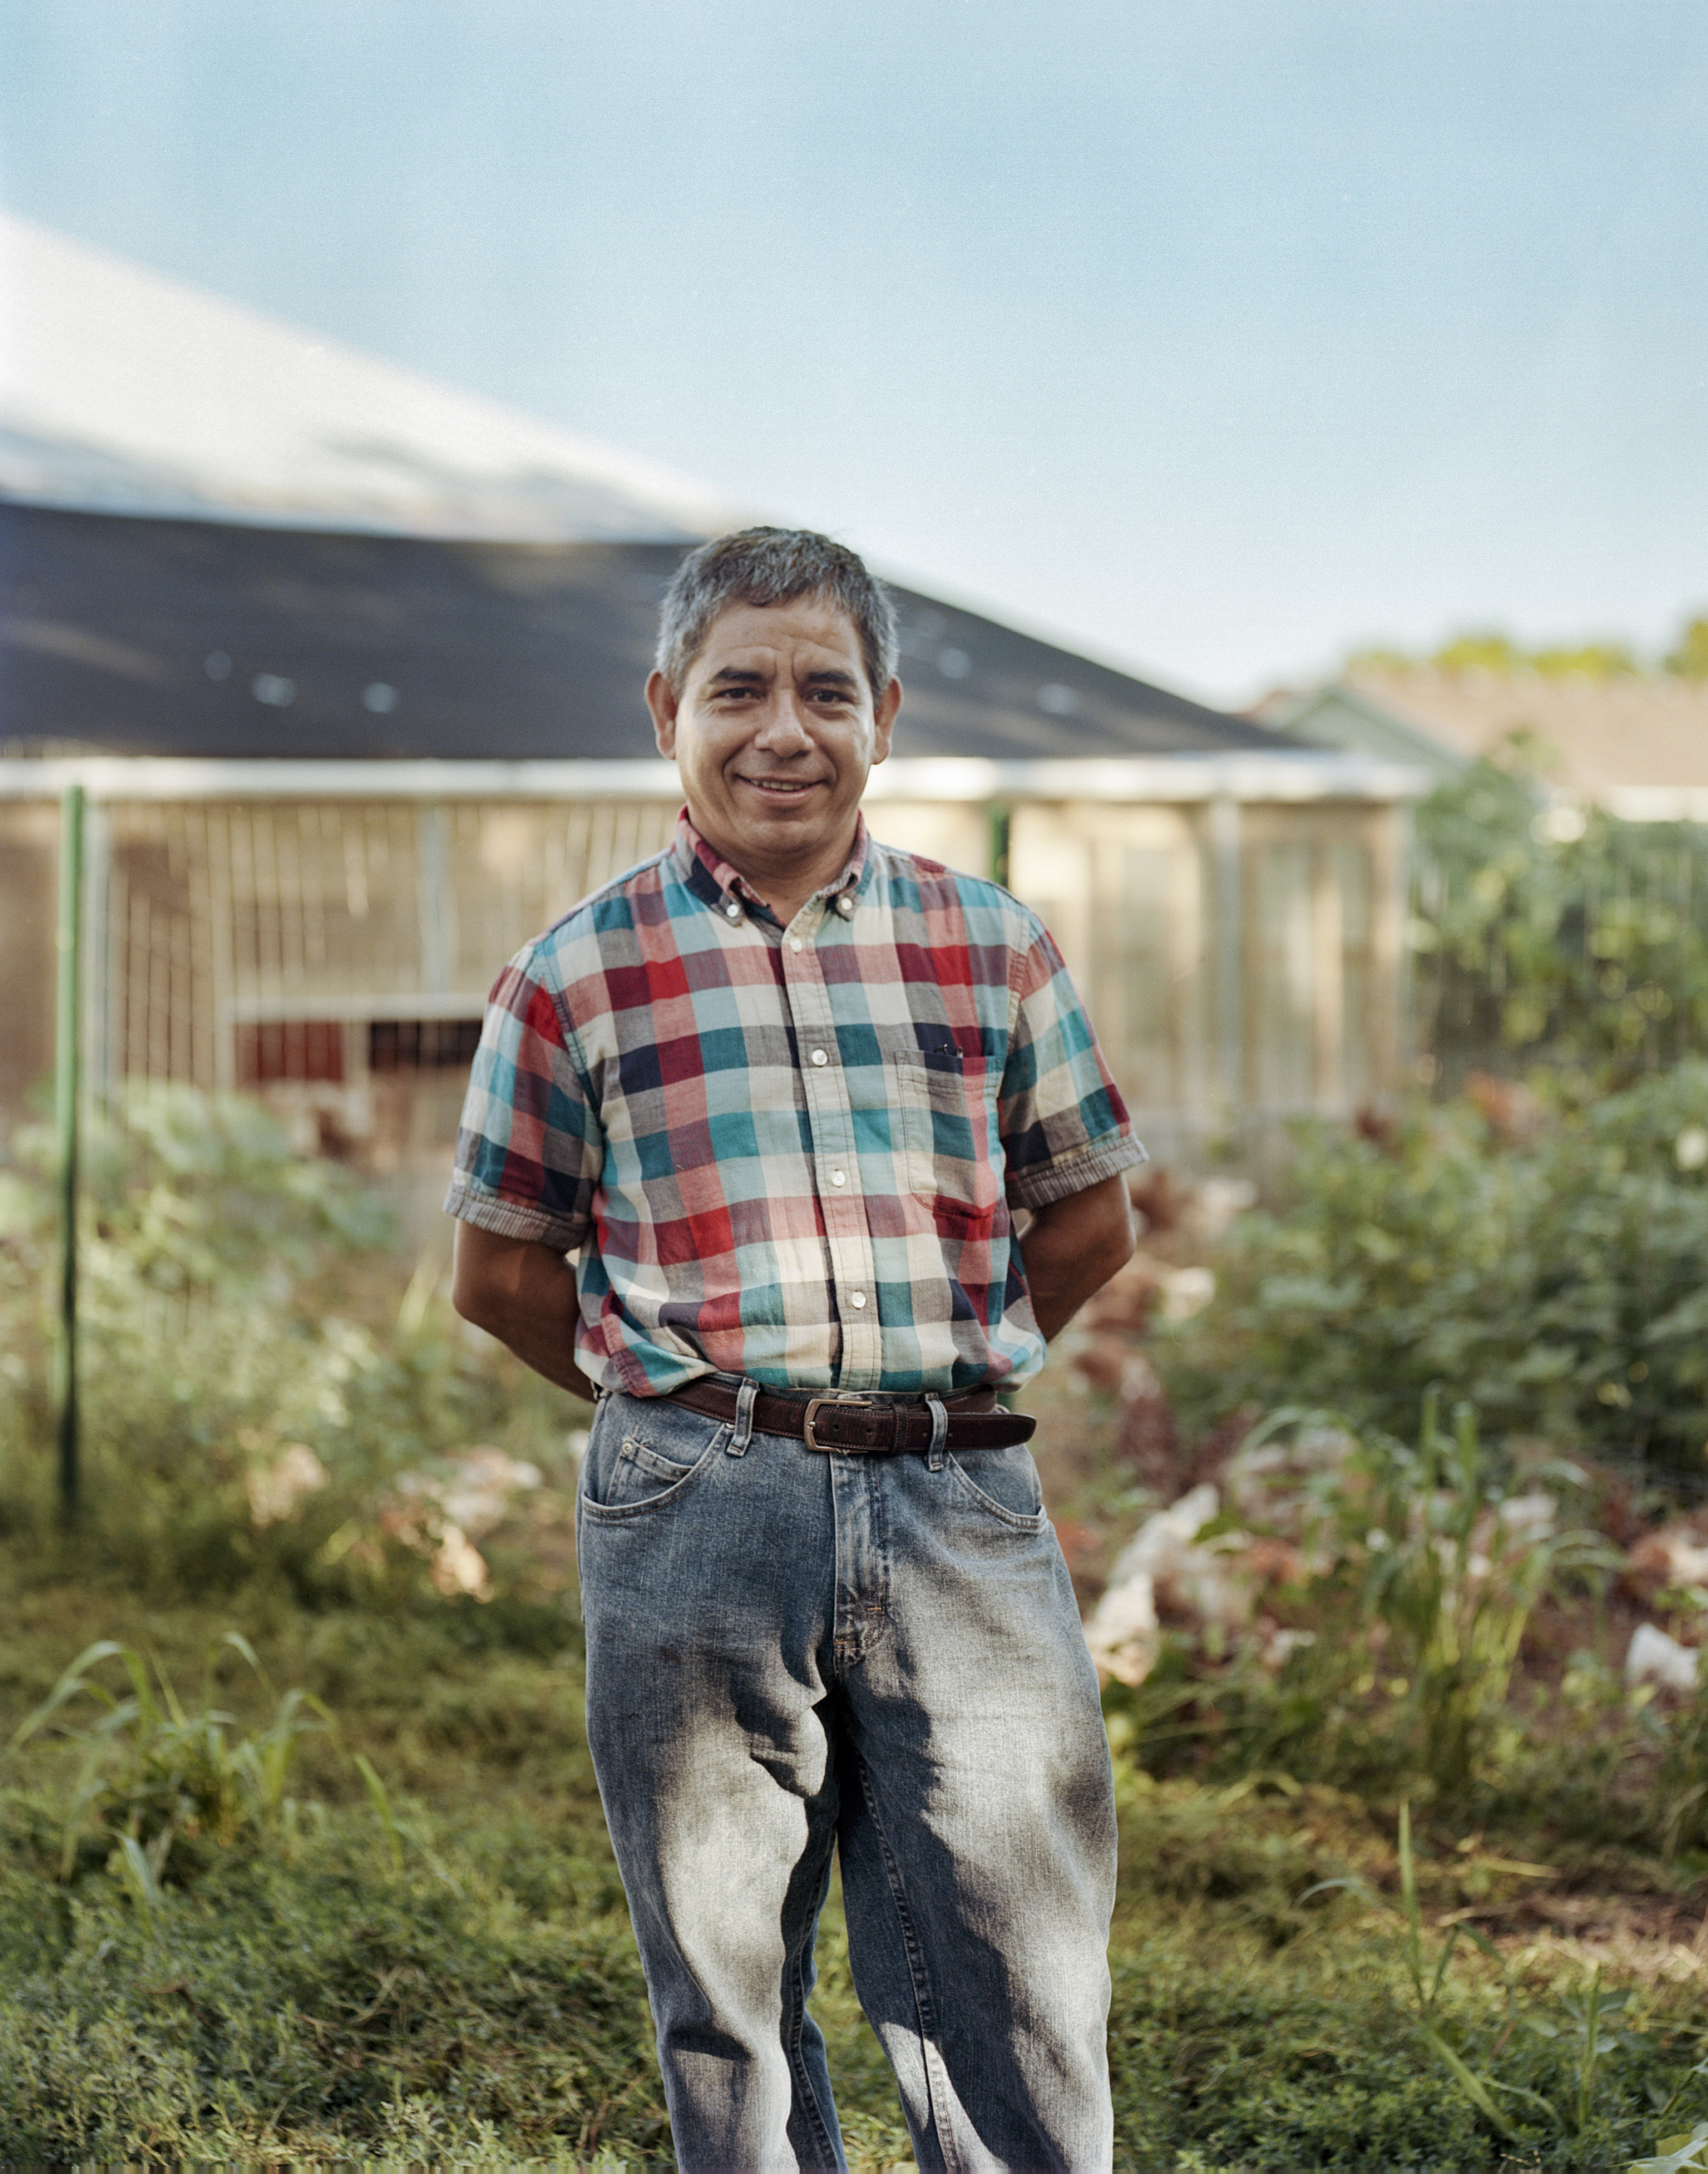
(1255, 777)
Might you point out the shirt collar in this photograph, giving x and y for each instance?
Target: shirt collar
(713, 882)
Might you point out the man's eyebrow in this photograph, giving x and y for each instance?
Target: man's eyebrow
(732, 675)
(832, 676)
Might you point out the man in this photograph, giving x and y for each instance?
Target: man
(780, 1089)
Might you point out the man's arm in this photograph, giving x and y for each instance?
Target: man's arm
(524, 1295)
(1073, 1246)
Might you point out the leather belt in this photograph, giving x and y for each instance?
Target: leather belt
(860, 1427)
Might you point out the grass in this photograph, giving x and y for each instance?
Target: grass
(307, 1863)
(308, 1991)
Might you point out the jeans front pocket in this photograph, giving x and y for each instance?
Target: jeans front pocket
(639, 1459)
(1009, 1491)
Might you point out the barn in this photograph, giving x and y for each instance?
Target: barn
(351, 684)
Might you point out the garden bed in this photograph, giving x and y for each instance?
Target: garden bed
(1414, 1872)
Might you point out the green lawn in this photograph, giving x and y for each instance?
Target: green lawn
(397, 1933)
(459, 1983)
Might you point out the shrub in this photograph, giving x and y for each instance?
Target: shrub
(257, 1378)
(1558, 1282)
(1556, 934)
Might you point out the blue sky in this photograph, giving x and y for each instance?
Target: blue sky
(1218, 336)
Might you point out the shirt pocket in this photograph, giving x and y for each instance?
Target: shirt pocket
(947, 1130)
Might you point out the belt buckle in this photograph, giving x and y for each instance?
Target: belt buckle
(815, 1404)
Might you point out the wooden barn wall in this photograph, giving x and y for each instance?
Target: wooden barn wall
(1240, 961)
(29, 885)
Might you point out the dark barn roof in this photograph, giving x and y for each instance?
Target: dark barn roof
(147, 637)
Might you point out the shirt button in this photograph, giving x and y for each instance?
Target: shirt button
(845, 906)
(820, 1057)
(794, 944)
(857, 1297)
(839, 1177)
(732, 911)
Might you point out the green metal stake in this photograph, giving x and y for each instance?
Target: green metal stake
(1000, 818)
(67, 1079)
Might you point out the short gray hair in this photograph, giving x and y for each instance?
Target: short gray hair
(773, 566)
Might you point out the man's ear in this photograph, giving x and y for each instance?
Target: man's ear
(660, 700)
(884, 720)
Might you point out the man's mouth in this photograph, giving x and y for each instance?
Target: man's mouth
(781, 789)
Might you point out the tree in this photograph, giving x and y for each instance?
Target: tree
(1689, 660)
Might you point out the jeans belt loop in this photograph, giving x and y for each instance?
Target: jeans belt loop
(745, 1398)
(940, 1431)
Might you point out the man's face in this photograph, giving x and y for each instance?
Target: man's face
(774, 732)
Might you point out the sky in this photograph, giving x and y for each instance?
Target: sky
(1219, 338)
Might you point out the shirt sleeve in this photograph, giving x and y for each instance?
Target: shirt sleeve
(530, 1146)
(1062, 1122)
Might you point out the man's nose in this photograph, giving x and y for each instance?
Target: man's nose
(784, 731)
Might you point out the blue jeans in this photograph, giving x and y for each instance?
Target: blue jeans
(788, 1654)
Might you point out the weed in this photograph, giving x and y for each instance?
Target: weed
(1420, 1578)
(164, 1778)
(1454, 1579)
(379, 1798)
(1427, 1982)
(1556, 2103)
(1681, 1786)
(1675, 2154)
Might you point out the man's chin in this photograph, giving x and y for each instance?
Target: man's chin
(778, 832)
(813, 819)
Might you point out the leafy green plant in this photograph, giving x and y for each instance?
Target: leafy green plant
(379, 1797)
(1675, 2154)
(1557, 1283)
(159, 1776)
(1420, 1570)
(1589, 2023)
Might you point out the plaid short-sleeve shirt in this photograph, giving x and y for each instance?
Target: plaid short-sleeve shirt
(789, 1153)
